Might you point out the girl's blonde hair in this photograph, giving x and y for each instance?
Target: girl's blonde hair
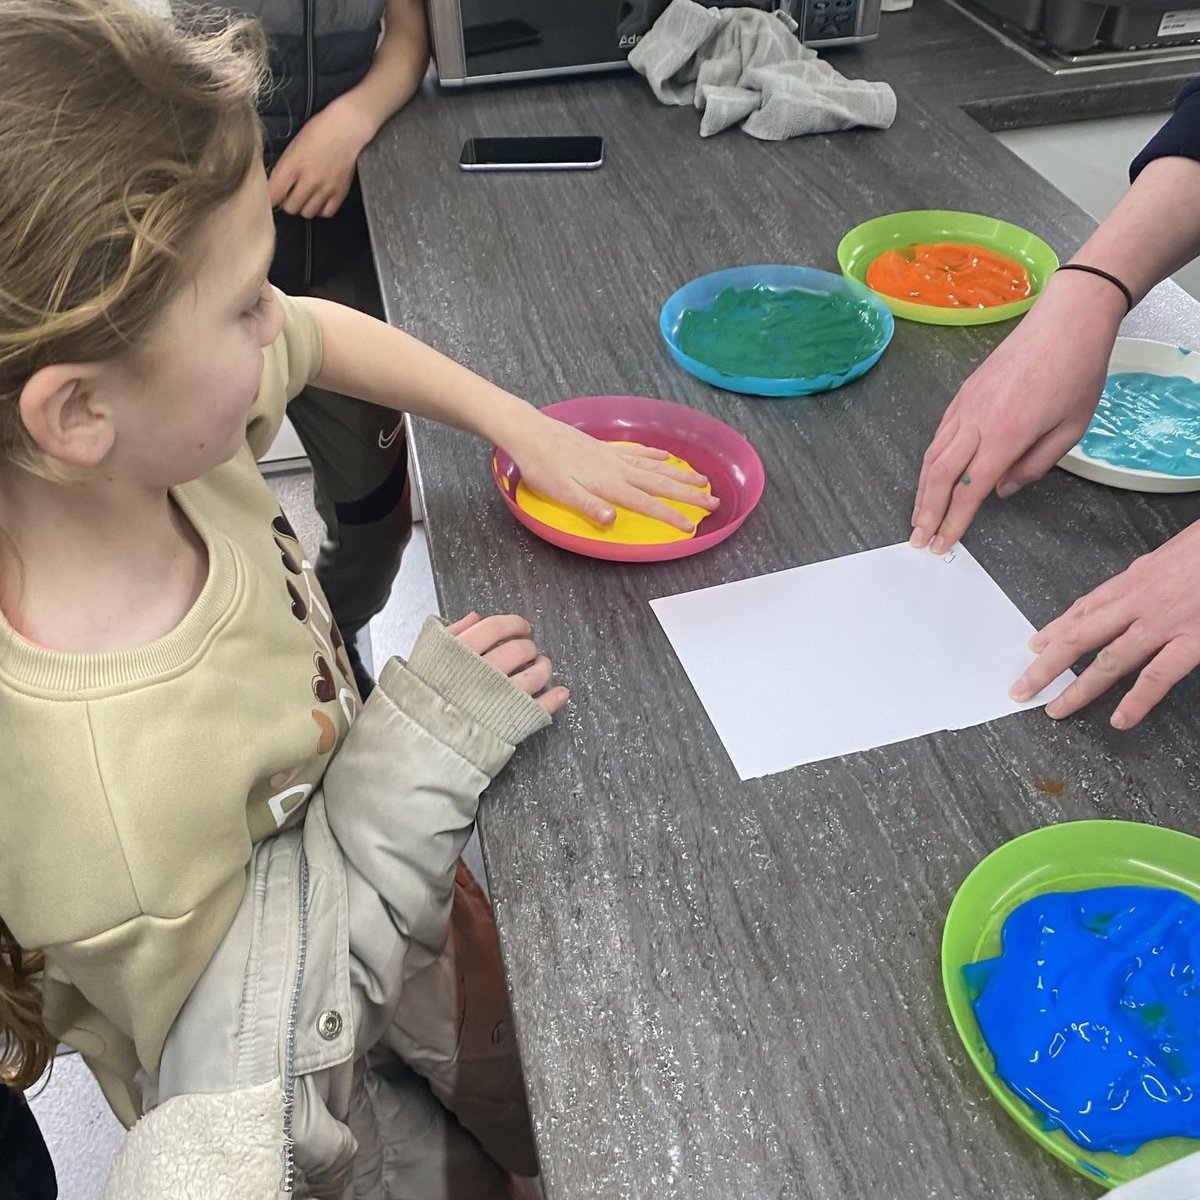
(120, 133)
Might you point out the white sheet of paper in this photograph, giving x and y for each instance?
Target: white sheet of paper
(848, 654)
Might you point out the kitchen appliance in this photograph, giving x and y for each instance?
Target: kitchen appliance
(492, 41)
(1079, 35)
(836, 22)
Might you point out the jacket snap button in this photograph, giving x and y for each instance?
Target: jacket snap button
(329, 1024)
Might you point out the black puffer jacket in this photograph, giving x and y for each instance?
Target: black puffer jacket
(319, 49)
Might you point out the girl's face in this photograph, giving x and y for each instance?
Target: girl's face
(181, 410)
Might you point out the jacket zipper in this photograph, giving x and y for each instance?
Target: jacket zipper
(309, 101)
(289, 1055)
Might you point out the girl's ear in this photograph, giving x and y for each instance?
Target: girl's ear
(63, 413)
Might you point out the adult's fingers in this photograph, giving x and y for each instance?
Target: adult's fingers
(1036, 461)
(1069, 643)
(940, 475)
(947, 431)
(1123, 655)
(1175, 660)
(967, 495)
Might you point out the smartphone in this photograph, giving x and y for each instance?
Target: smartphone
(498, 35)
(532, 154)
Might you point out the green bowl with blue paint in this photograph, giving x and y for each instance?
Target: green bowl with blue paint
(1071, 857)
(775, 330)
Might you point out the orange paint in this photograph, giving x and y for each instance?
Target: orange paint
(949, 275)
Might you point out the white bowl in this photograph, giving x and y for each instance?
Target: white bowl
(1154, 358)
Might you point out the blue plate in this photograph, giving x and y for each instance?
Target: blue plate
(701, 294)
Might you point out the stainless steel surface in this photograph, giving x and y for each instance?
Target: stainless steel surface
(565, 37)
(528, 76)
(1030, 47)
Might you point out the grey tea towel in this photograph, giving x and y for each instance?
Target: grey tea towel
(746, 65)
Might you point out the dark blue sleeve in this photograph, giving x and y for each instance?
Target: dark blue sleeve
(1179, 137)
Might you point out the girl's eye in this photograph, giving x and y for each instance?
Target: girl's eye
(258, 307)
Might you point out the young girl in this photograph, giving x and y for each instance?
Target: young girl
(237, 905)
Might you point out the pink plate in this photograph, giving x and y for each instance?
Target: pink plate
(733, 468)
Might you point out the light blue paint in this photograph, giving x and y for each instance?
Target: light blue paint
(1092, 1013)
(1147, 422)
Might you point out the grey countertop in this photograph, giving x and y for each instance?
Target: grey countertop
(728, 989)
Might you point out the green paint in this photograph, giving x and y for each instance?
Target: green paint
(966, 477)
(794, 334)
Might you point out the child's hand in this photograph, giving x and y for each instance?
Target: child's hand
(565, 464)
(505, 643)
(315, 172)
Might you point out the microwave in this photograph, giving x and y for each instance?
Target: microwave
(492, 41)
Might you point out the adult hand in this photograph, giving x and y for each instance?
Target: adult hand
(590, 476)
(1147, 617)
(505, 642)
(1022, 410)
(315, 172)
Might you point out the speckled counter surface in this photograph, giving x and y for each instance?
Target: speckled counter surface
(731, 990)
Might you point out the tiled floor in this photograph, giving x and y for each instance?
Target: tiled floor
(82, 1134)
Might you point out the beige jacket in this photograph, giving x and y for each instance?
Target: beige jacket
(307, 1059)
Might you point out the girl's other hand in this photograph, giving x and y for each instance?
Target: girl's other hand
(506, 643)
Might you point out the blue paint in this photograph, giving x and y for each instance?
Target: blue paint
(1148, 422)
(1092, 1013)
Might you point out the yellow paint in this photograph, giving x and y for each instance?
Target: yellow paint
(629, 529)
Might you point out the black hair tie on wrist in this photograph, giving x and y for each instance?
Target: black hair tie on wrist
(1103, 275)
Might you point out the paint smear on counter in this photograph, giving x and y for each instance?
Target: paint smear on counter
(1147, 422)
(950, 275)
(760, 333)
(1092, 1013)
(629, 529)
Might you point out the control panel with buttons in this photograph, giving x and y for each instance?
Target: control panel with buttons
(837, 22)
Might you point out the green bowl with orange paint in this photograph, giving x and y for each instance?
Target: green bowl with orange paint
(897, 231)
(1070, 857)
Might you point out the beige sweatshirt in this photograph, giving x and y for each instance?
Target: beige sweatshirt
(135, 783)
